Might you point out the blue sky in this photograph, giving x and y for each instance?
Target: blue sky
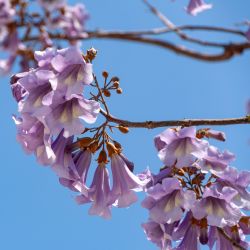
(37, 213)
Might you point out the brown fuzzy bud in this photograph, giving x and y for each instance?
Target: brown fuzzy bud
(85, 142)
(112, 149)
(105, 74)
(102, 157)
(106, 93)
(115, 79)
(119, 91)
(116, 84)
(91, 53)
(93, 147)
(123, 129)
(118, 145)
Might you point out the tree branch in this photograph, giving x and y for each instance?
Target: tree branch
(184, 123)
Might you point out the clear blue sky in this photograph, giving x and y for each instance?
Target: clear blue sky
(36, 213)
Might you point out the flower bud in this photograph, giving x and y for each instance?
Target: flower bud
(85, 142)
(91, 53)
(119, 91)
(112, 149)
(106, 93)
(102, 157)
(118, 145)
(116, 84)
(123, 129)
(115, 79)
(105, 74)
(94, 146)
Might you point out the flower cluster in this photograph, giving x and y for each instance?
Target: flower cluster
(19, 22)
(197, 198)
(51, 102)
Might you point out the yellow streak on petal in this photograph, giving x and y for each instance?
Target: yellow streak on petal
(38, 102)
(64, 116)
(69, 80)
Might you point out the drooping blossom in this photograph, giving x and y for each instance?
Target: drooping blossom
(180, 147)
(99, 193)
(218, 239)
(124, 181)
(78, 168)
(160, 234)
(196, 6)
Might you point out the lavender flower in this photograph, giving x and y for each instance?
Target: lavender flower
(215, 160)
(67, 115)
(52, 4)
(216, 206)
(78, 168)
(72, 22)
(34, 138)
(196, 6)
(6, 12)
(72, 71)
(124, 181)
(99, 193)
(180, 147)
(166, 201)
(247, 34)
(160, 234)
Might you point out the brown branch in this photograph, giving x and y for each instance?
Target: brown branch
(228, 50)
(171, 26)
(185, 122)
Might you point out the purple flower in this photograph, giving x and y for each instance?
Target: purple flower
(79, 167)
(248, 102)
(160, 234)
(218, 238)
(247, 34)
(72, 22)
(72, 70)
(239, 181)
(191, 234)
(18, 92)
(61, 166)
(167, 200)
(215, 160)
(124, 181)
(99, 193)
(33, 136)
(216, 206)
(52, 4)
(39, 93)
(180, 147)
(6, 12)
(196, 6)
(67, 115)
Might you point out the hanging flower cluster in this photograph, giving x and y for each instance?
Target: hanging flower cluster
(197, 198)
